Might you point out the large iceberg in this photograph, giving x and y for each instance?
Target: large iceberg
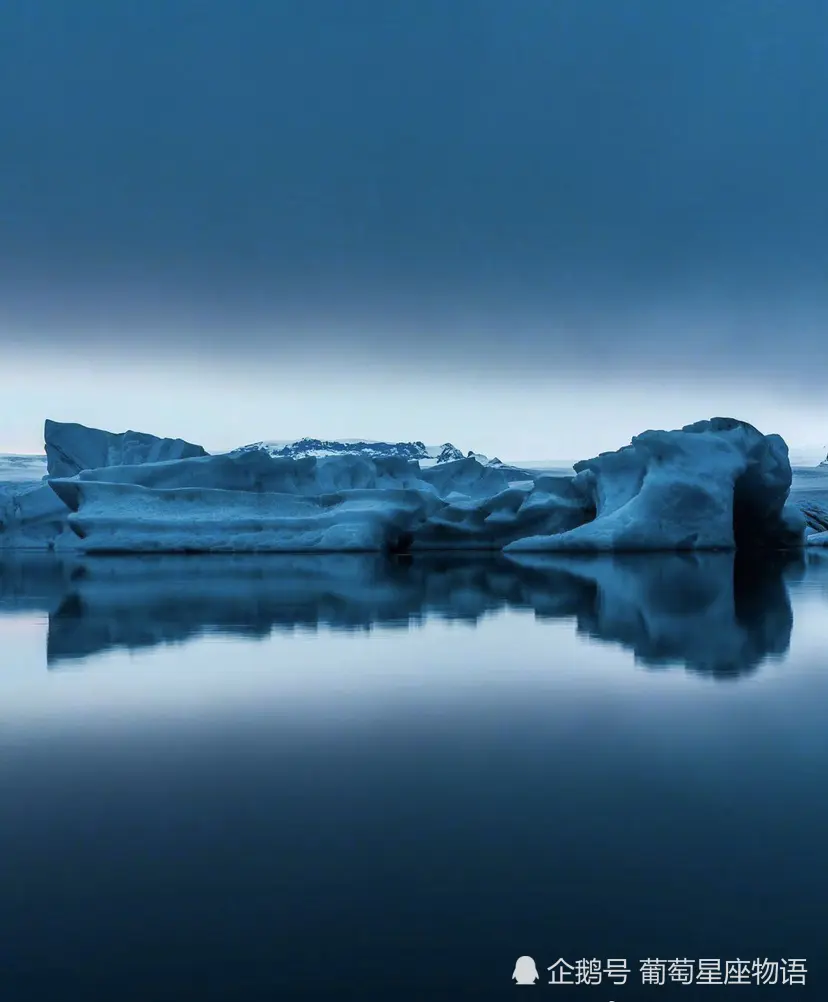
(717, 484)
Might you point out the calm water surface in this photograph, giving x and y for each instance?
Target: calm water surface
(233, 779)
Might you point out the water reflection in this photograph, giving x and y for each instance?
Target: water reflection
(715, 614)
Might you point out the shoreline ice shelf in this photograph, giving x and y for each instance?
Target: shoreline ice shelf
(714, 485)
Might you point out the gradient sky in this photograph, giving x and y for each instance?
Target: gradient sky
(533, 227)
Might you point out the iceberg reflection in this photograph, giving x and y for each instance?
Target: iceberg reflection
(721, 614)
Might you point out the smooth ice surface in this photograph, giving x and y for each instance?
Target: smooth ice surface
(314, 777)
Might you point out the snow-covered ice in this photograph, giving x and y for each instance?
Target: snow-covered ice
(318, 448)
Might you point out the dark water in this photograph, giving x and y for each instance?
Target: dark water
(340, 778)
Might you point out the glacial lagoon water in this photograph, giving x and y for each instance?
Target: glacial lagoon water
(247, 779)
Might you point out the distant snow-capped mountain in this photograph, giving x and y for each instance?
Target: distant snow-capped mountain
(425, 455)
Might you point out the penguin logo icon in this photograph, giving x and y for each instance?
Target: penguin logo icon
(525, 972)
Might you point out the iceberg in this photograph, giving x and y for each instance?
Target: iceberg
(253, 501)
(809, 492)
(71, 448)
(718, 484)
(549, 506)
(129, 518)
(714, 485)
(33, 518)
(32, 514)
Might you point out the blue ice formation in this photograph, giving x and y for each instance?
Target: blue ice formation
(713, 485)
(71, 448)
(717, 484)
(32, 516)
